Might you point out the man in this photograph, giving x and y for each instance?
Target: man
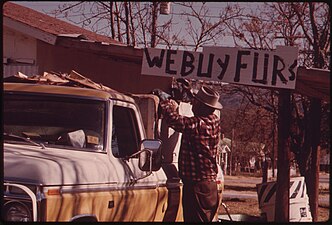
(197, 158)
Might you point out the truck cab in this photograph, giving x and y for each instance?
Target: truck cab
(79, 154)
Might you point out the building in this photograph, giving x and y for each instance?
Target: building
(34, 42)
(324, 162)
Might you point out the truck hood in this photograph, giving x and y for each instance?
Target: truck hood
(54, 166)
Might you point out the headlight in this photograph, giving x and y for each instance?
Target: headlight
(16, 211)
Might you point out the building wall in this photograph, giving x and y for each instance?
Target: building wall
(122, 75)
(19, 53)
(22, 53)
(18, 46)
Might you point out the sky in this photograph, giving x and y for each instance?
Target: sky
(215, 7)
(47, 6)
(41, 6)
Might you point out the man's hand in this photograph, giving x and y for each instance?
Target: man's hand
(161, 94)
(173, 105)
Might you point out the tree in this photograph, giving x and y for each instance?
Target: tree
(140, 24)
(129, 21)
(314, 19)
(201, 27)
(306, 25)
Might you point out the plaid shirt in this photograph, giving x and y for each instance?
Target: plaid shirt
(200, 138)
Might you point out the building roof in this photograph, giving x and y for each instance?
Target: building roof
(50, 24)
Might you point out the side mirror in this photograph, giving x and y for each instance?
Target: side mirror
(150, 155)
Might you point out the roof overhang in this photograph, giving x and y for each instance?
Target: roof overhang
(33, 32)
(126, 53)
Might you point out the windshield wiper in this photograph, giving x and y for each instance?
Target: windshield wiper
(25, 139)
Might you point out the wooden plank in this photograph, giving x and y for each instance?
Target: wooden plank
(314, 75)
(308, 89)
(313, 83)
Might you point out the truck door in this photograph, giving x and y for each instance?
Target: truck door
(146, 199)
(156, 127)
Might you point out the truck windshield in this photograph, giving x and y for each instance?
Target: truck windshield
(51, 120)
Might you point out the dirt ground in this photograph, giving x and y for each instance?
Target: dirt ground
(250, 207)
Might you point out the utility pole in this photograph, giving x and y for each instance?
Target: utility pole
(133, 40)
(273, 136)
(283, 174)
(117, 13)
(313, 178)
(154, 24)
(231, 152)
(127, 21)
(112, 20)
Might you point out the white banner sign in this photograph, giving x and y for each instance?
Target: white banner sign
(226, 64)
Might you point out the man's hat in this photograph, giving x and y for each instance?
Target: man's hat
(209, 97)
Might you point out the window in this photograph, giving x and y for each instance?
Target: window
(125, 135)
(53, 120)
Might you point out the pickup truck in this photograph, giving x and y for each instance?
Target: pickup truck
(80, 154)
